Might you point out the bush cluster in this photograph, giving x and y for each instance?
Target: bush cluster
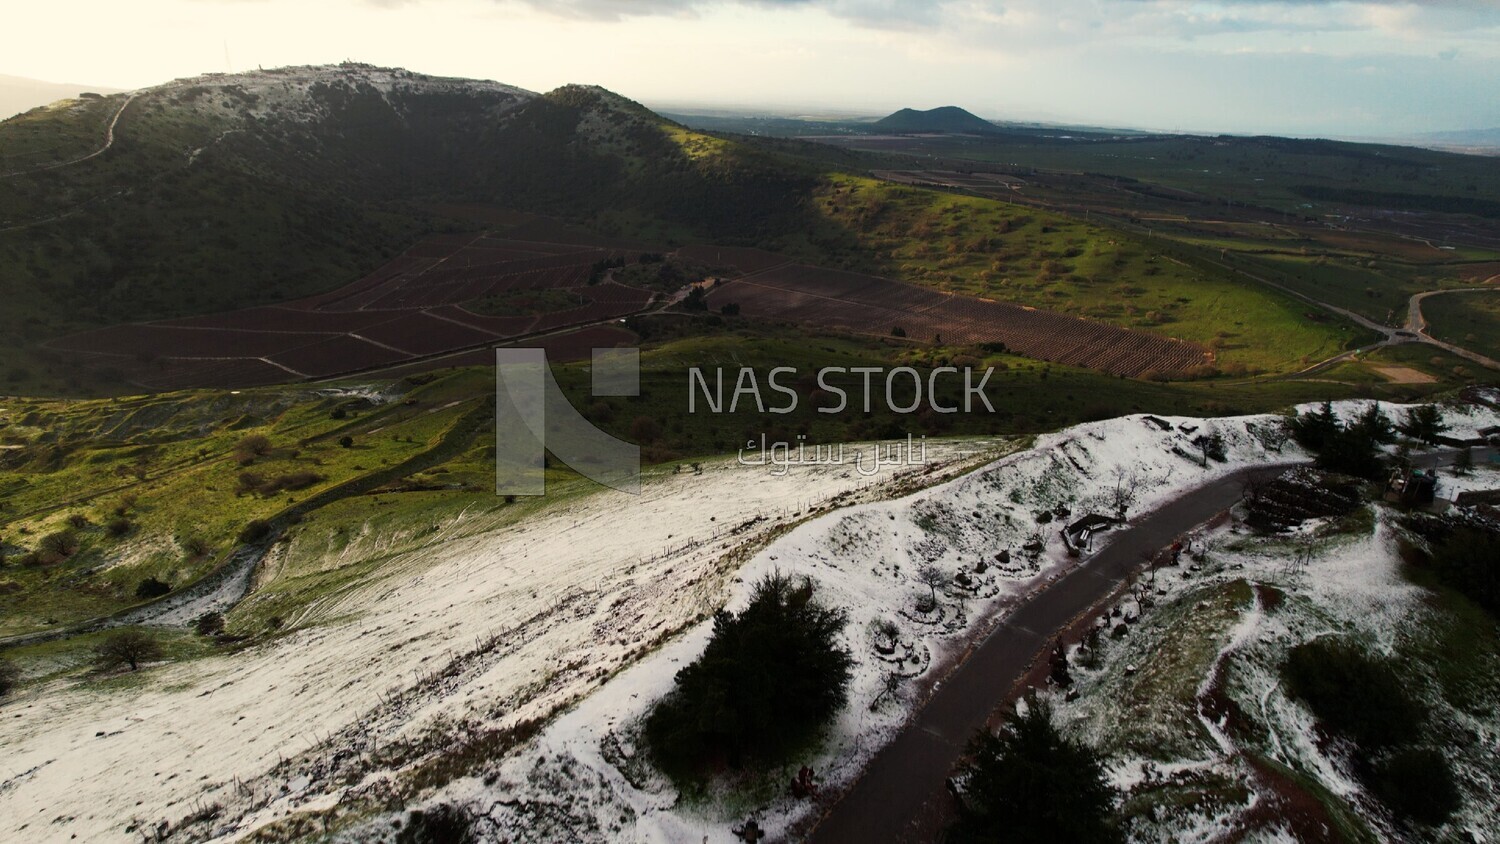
(1365, 700)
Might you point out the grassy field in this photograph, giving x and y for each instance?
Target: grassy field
(998, 250)
(1273, 172)
(160, 487)
(1471, 320)
(1372, 287)
(169, 504)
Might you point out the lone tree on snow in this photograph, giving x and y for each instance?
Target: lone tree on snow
(933, 578)
(1126, 491)
(128, 647)
(771, 676)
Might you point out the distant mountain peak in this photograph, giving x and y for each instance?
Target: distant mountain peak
(940, 119)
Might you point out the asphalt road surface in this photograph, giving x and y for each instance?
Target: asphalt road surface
(903, 788)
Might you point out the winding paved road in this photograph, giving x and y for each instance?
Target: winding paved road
(901, 795)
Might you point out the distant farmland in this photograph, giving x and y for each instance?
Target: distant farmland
(410, 313)
(864, 304)
(408, 309)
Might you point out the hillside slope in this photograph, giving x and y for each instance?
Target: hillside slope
(940, 119)
(223, 191)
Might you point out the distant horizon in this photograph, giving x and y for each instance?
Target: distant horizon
(824, 112)
(1303, 68)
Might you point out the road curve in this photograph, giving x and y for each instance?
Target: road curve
(901, 794)
(1417, 324)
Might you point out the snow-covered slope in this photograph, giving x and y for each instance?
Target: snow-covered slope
(580, 774)
(585, 775)
(489, 629)
(481, 628)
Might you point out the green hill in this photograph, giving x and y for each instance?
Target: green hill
(224, 191)
(941, 119)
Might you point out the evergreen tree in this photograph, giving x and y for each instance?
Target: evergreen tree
(1351, 452)
(1374, 424)
(1031, 784)
(1424, 422)
(1313, 430)
(770, 677)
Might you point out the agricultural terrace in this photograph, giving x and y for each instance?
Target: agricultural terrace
(410, 308)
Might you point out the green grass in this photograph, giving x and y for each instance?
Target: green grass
(84, 457)
(73, 657)
(191, 491)
(62, 131)
(1374, 288)
(1156, 709)
(992, 249)
(1470, 320)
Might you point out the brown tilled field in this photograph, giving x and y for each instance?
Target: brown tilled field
(865, 304)
(412, 309)
(409, 309)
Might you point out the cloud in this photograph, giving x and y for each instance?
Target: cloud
(1210, 16)
(876, 13)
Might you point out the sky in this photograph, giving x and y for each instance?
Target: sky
(1296, 67)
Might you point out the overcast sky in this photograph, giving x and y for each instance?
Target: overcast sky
(1367, 67)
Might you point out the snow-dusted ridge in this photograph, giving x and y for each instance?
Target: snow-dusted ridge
(488, 624)
(581, 776)
(487, 627)
(291, 93)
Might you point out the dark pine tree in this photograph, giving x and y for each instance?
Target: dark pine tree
(771, 676)
(1314, 429)
(1031, 784)
(1424, 422)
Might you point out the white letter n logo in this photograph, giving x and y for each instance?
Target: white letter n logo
(532, 416)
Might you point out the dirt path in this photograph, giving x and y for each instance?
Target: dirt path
(109, 141)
